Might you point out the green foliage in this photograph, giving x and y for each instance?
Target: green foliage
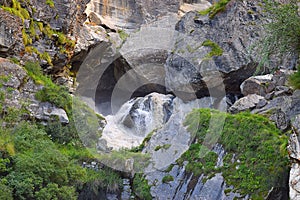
(44, 162)
(62, 39)
(215, 8)
(57, 95)
(26, 38)
(165, 146)
(60, 133)
(141, 188)
(144, 143)
(38, 165)
(123, 35)
(17, 10)
(167, 179)
(50, 3)
(252, 139)
(106, 178)
(15, 60)
(283, 31)
(295, 79)
(216, 50)
(6, 192)
(40, 169)
(87, 123)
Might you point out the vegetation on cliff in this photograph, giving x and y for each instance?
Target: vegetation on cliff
(256, 157)
(37, 31)
(283, 34)
(44, 162)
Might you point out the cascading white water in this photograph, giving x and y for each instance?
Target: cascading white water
(140, 116)
(135, 119)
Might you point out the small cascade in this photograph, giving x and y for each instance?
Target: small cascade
(136, 119)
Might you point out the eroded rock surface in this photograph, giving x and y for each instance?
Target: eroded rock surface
(10, 34)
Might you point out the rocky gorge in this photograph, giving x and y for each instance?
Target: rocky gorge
(146, 100)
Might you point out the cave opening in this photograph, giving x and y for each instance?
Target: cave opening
(108, 84)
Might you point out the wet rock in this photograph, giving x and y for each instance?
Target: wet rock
(102, 145)
(246, 103)
(188, 186)
(283, 91)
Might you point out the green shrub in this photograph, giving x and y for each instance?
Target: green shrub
(6, 192)
(295, 79)
(215, 8)
(141, 188)
(50, 3)
(165, 146)
(57, 95)
(282, 32)
(167, 179)
(123, 35)
(216, 50)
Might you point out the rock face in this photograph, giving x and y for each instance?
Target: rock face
(131, 14)
(187, 186)
(64, 15)
(294, 149)
(20, 91)
(190, 59)
(10, 34)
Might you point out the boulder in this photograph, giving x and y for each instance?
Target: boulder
(282, 109)
(246, 103)
(260, 85)
(46, 111)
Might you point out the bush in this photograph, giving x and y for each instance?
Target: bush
(215, 8)
(283, 32)
(295, 79)
(141, 188)
(167, 179)
(216, 50)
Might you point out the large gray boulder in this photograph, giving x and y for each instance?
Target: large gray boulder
(247, 103)
(260, 85)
